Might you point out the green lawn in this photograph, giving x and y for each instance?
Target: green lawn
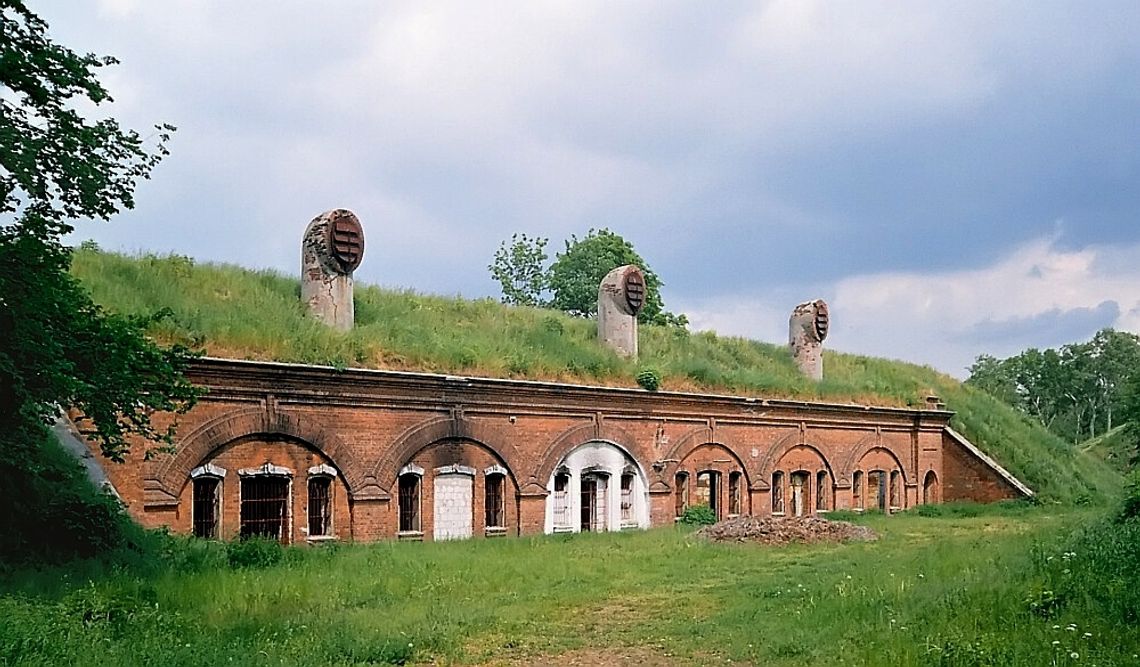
(996, 589)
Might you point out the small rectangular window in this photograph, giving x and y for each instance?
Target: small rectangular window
(857, 489)
(562, 500)
(680, 493)
(320, 506)
(627, 498)
(493, 502)
(409, 499)
(896, 491)
(206, 496)
(821, 490)
(734, 493)
(778, 492)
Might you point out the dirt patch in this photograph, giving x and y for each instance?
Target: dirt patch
(618, 656)
(785, 530)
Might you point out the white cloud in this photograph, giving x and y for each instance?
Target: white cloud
(1040, 294)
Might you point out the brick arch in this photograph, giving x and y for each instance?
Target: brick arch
(863, 451)
(694, 440)
(872, 441)
(577, 436)
(777, 452)
(226, 428)
(431, 431)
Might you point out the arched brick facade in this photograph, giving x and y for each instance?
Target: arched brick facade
(368, 424)
(198, 445)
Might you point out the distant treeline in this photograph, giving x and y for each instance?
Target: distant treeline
(1078, 391)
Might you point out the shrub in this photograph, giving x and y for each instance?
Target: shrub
(1130, 509)
(649, 379)
(254, 552)
(698, 515)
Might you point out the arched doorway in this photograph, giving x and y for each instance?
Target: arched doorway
(597, 487)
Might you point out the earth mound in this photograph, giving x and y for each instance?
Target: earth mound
(785, 530)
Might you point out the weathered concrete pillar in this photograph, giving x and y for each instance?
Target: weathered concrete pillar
(806, 330)
(621, 296)
(331, 250)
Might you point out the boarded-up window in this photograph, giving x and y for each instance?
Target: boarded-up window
(930, 488)
(562, 500)
(680, 493)
(206, 495)
(734, 492)
(627, 498)
(896, 489)
(800, 484)
(265, 506)
(778, 492)
(493, 502)
(857, 489)
(409, 503)
(821, 490)
(320, 506)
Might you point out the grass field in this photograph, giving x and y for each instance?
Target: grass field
(1012, 586)
(233, 312)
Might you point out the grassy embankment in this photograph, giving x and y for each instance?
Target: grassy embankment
(233, 312)
(995, 589)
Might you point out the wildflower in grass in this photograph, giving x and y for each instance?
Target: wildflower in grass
(1074, 655)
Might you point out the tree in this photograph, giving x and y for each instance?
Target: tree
(577, 272)
(520, 269)
(57, 348)
(995, 377)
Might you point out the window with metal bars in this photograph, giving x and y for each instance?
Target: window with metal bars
(207, 491)
(320, 506)
(409, 503)
(265, 506)
(857, 489)
(494, 502)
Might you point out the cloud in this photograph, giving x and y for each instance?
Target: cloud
(901, 160)
(1038, 295)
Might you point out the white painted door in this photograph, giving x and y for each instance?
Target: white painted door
(453, 509)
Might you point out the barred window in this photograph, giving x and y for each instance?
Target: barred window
(821, 487)
(320, 506)
(857, 489)
(409, 501)
(627, 498)
(207, 494)
(494, 502)
(265, 506)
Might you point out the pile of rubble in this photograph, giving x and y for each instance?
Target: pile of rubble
(785, 530)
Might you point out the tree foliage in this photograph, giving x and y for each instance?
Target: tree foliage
(57, 348)
(520, 269)
(1077, 391)
(573, 279)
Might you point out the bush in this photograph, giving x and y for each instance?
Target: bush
(1131, 506)
(698, 515)
(254, 552)
(649, 379)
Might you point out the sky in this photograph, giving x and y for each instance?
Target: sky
(953, 178)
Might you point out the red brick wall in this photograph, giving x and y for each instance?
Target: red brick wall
(966, 477)
(368, 425)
